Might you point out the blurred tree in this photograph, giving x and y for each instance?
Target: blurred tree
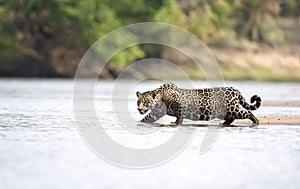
(30, 28)
(207, 18)
(290, 7)
(257, 20)
(130, 12)
(7, 42)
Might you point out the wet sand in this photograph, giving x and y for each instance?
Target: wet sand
(286, 119)
(268, 120)
(274, 120)
(280, 103)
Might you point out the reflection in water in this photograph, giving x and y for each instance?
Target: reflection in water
(40, 146)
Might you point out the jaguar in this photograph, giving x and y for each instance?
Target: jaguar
(196, 104)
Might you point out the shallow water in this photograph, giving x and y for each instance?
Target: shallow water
(40, 146)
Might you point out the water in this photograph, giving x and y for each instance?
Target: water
(40, 146)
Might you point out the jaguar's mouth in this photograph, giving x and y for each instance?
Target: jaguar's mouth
(142, 111)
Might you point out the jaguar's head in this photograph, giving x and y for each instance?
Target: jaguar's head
(146, 101)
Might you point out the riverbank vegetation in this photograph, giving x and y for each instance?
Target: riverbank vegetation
(251, 39)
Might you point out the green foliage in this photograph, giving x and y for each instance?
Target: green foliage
(130, 12)
(93, 18)
(7, 42)
(253, 22)
(222, 9)
(7, 46)
(207, 19)
(128, 55)
(88, 20)
(170, 13)
(119, 40)
(291, 8)
(97, 18)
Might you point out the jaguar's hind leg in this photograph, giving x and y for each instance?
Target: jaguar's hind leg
(245, 114)
(254, 120)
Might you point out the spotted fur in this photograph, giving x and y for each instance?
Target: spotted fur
(196, 104)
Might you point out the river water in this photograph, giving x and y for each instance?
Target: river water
(41, 146)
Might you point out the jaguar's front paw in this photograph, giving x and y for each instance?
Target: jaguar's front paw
(178, 121)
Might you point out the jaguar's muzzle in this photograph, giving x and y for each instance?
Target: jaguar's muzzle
(142, 111)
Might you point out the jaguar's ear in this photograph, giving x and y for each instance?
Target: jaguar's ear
(138, 94)
(153, 95)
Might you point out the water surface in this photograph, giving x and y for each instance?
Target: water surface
(40, 146)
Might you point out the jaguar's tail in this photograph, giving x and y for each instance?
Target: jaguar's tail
(253, 99)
